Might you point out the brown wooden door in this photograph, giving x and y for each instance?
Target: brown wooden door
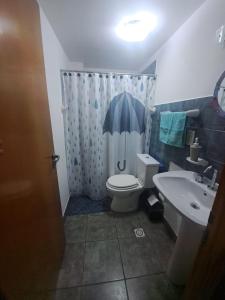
(207, 280)
(31, 228)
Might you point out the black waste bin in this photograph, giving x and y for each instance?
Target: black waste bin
(154, 208)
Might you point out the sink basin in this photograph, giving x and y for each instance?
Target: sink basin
(193, 201)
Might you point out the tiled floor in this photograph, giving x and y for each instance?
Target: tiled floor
(105, 261)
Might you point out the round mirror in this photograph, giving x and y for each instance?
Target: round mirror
(219, 92)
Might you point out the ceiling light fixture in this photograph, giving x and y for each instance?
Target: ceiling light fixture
(136, 28)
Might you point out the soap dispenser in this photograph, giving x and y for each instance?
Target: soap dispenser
(194, 150)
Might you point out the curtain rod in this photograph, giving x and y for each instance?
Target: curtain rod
(107, 73)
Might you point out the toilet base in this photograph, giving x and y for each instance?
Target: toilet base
(127, 203)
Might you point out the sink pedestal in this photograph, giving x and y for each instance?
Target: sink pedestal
(193, 201)
(187, 244)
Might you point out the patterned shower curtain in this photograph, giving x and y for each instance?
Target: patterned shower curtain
(92, 154)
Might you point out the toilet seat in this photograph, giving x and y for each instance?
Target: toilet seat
(122, 182)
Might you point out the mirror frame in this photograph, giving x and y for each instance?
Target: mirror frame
(215, 96)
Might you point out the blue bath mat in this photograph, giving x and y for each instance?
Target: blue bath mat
(78, 205)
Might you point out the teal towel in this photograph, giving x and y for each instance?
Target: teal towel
(172, 127)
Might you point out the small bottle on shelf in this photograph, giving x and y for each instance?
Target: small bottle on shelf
(194, 150)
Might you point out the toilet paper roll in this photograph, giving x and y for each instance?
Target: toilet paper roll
(152, 200)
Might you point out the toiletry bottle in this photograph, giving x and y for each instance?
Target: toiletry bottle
(194, 150)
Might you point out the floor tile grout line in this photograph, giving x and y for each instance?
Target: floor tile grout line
(111, 281)
(85, 246)
(80, 286)
(117, 238)
(99, 283)
(146, 275)
(122, 264)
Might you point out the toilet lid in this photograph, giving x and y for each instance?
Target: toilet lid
(123, 181)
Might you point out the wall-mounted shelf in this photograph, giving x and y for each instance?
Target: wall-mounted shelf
(193, 113)
(201, 161)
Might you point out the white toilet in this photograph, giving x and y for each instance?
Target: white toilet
(125, 189)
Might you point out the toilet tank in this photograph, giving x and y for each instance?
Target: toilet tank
(147, 167)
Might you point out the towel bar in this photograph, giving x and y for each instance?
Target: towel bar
(193, 113)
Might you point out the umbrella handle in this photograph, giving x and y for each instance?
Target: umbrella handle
(124, 165)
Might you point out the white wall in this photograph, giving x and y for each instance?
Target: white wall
(74, 66)
(190, 62)
(55, 59)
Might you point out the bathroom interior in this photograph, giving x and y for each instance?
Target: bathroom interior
(112, 150)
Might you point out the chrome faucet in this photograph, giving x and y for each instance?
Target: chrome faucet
(211, 182)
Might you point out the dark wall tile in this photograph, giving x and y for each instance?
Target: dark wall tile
(209, 127)
(216, 145)
(211, 119)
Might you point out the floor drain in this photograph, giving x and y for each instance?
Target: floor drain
(139, 232)
(195, 205)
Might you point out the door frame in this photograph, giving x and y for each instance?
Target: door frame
(207, 280)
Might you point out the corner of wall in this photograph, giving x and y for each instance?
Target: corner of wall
(55, 59)
(190, 62)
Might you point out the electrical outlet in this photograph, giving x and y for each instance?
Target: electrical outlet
(220, 36)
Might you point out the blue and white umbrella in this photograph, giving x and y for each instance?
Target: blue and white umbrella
(125, 114)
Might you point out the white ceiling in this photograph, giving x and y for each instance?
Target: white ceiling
(86, 29)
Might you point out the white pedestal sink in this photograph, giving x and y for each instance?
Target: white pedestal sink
(193, 201)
